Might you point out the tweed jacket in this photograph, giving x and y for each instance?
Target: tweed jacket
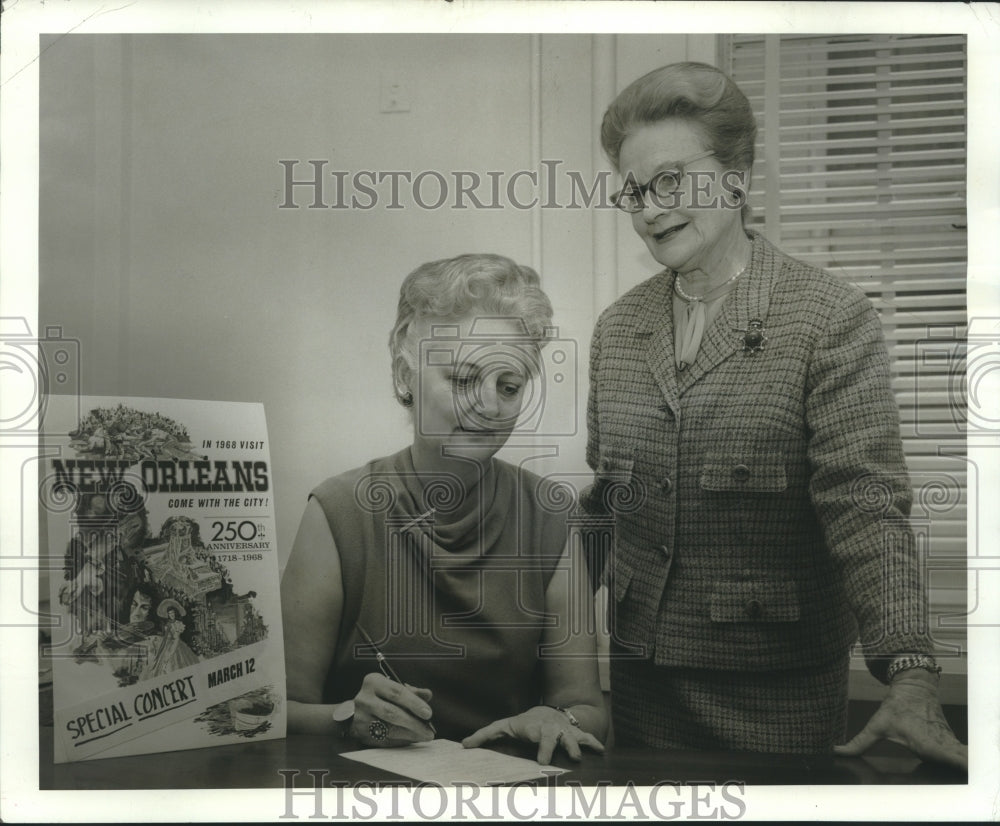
(760, 499)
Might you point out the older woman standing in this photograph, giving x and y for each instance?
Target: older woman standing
(743, 397)
(440, 557)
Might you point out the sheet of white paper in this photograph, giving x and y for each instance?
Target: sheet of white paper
(445, 762)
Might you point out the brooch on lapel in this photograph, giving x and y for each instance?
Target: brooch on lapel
(754, 338)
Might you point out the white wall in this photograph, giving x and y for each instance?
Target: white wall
(164, 251)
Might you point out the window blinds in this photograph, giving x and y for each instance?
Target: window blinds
(860, 169)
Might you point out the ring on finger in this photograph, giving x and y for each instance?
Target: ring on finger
(560, 735)
(378, 730)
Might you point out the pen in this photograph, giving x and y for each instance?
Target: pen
(390, 672)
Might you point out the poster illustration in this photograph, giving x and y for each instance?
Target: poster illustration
(166, 627)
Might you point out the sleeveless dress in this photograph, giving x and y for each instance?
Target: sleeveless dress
(456, 606)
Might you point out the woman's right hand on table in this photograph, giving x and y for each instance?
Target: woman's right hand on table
(387, 713)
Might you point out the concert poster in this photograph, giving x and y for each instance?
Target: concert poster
(165, 617)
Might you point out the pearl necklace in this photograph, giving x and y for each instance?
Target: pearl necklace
(709, 295)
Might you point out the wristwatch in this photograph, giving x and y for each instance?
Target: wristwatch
(343, 716)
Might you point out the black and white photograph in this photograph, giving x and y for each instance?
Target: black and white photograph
(612, 386)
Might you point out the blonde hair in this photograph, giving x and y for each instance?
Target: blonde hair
(455, 288)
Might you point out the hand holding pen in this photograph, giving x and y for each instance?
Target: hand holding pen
(387, 712)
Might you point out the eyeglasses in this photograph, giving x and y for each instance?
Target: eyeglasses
(662, 185)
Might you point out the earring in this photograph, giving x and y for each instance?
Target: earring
(739, 196)
(406, 399)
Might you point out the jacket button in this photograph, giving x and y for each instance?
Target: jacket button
(603, 466)
(754, 609)
(741, 473)
(666, 484)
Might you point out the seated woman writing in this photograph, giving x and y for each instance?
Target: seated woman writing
(442, 558)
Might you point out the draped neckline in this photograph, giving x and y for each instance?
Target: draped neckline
(473, 533)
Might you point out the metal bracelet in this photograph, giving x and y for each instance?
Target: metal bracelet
(569, 715)
(908, 661)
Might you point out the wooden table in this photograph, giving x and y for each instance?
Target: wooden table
(257, 765)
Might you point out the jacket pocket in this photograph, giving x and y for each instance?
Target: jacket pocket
(613, 490)
(755, 601)
(614, 465)
(763, 473)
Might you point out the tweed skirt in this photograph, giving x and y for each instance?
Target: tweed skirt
(787, 711)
